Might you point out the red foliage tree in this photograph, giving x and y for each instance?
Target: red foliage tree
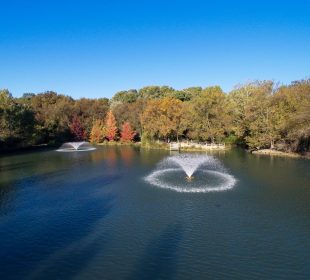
(77, 129)
(127, 133)
(110, 126)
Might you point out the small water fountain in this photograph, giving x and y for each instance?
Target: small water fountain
(76, 147)
(176, 173)
(189, 163)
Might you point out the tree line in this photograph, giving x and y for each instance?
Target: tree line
(256, 115)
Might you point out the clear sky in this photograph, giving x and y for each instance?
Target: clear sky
(96, 48)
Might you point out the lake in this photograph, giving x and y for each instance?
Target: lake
(93, 215)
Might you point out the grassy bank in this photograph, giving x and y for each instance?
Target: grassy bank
(119, 143)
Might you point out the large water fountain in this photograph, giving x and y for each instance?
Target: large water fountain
(76, 146)
(191, 173)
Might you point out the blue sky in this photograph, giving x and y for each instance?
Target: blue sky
(96, 48)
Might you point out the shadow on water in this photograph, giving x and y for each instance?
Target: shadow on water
(73, 230)
(160, 257)
(70, 260)
(10, 190)
(14, 166)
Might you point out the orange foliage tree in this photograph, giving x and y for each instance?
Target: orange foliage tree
(127, 133)
(97, 133)
(110, 125)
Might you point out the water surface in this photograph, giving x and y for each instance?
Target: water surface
(91, 215)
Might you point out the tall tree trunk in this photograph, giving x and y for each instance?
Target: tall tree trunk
(272, 144)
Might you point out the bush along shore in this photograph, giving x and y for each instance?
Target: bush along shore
(259, 116)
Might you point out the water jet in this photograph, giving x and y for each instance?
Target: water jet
(76, 147)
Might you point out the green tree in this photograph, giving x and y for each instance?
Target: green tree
(17, 122)
(294, 103)
(125, 96)
(155, 92)
(257, 116)
(209, 115)
(53, 113)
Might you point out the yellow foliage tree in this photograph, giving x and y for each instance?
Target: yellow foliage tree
(163, 118)
(97, 133)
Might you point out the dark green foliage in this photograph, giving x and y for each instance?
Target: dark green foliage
(125, 96)
(17, 122)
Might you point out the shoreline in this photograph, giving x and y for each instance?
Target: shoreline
(270, 152)
(161, 146)
(193, 148)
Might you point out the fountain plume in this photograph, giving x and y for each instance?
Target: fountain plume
(189, 163)
(76, 146)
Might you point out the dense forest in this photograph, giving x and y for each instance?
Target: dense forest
(255, 115)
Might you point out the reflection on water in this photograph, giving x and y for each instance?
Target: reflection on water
(127, 154)
(111, 157)
(92, 216)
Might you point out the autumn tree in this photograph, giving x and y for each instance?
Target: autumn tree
(130, 112)
(97, 133)
(90, 110)
(162, 118)
(127, 133)
(110, 127)
(77, 129)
